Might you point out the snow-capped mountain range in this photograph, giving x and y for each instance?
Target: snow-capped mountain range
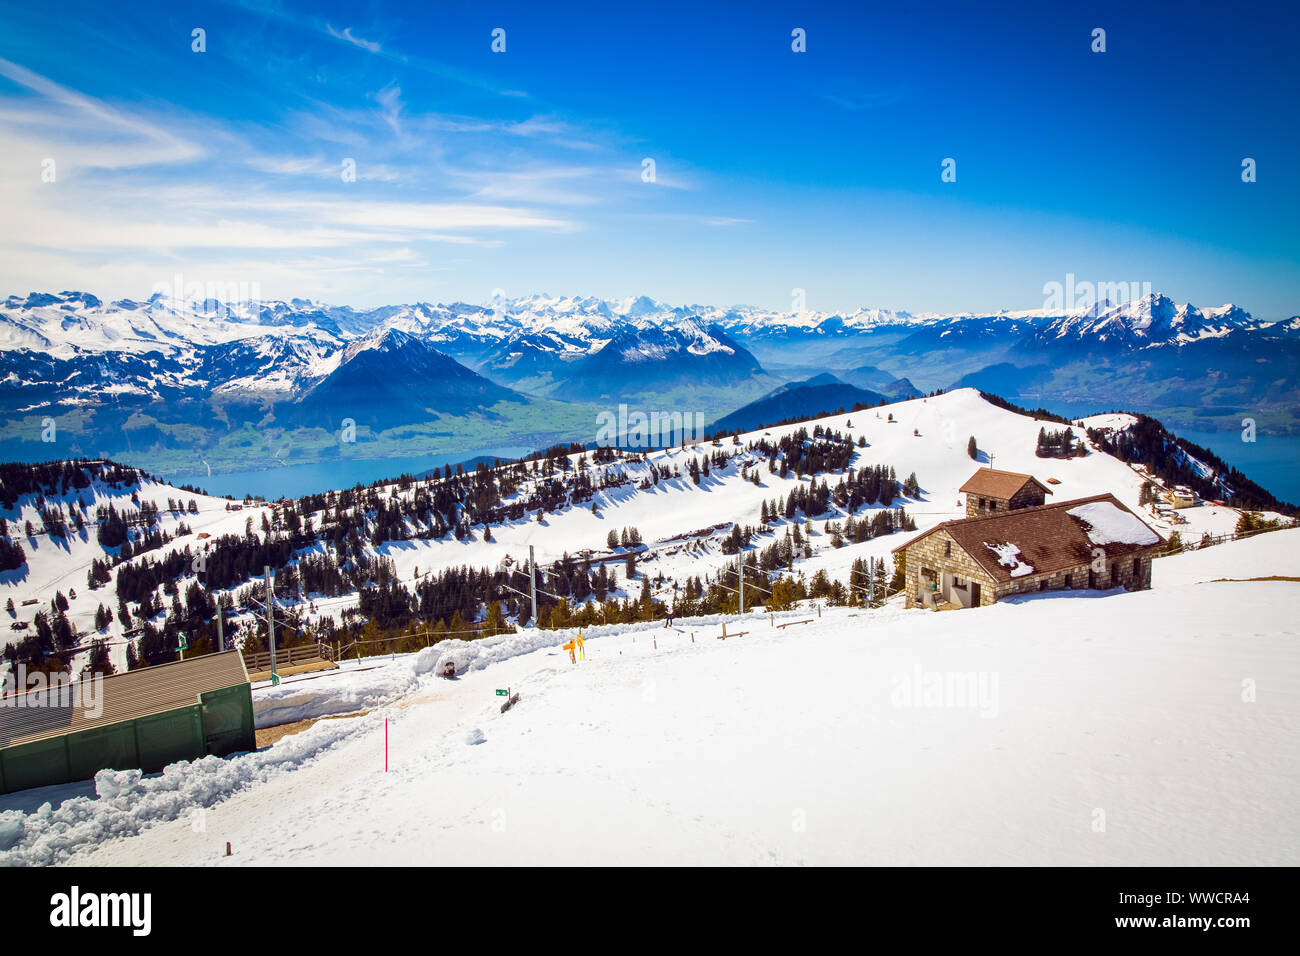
(1150, 322)
(179, 377)
(71, 323)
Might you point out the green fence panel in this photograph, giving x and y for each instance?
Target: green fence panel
(37, 764)
(104, 747)
(168, 737)
(228, 720)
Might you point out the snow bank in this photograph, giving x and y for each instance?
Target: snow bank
(1106, 524)
(370, 684)
(477, 654)
(1009, 556)
(128, 802)
(344, 691)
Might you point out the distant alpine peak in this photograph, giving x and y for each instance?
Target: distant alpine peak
(73, 322)
(1152, 320)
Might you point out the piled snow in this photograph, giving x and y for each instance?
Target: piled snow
(126, 803)
(1106, 524)
(1009, 556)
(377, 682)
(351, 688)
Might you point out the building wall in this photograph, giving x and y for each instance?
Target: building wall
(933, 552)
(1029, 496)
(1121, 572)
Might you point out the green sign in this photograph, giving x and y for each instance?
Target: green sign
(502, 693)
(185, 644)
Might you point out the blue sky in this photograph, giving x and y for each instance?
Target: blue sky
(522, 171)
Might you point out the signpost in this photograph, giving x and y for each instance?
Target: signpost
(503, 693)
(183, 644)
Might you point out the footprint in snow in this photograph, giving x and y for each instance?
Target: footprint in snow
(475, 736)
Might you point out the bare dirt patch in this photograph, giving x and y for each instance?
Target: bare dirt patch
(269, 735)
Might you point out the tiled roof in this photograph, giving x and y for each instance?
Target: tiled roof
(1048, 538)
(139, 693)
(998, 484)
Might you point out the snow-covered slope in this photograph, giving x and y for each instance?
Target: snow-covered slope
(57, 565)
(1135, 729)
(1272, 554)
(683, 524)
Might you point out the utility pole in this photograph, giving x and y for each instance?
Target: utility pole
(270, 620)
(221, 616)
(740, 561)
(532, 582)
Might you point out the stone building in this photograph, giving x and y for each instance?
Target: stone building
(989, 491)
(1083, 543)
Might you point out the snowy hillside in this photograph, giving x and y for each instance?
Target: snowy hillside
(684, 527)
(1090, 729)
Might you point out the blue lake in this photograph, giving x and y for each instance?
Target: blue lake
(1272, 461)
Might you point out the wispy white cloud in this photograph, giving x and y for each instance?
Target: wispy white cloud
(270, 10)
(347, 35)
(80, 131)
(145, 189)
(390, 106)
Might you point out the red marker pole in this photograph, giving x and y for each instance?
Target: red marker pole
(385, 745)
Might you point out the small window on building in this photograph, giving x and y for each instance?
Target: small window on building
(1042, 585)
(947, 549)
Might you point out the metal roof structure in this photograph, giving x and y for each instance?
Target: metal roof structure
(43, 714)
